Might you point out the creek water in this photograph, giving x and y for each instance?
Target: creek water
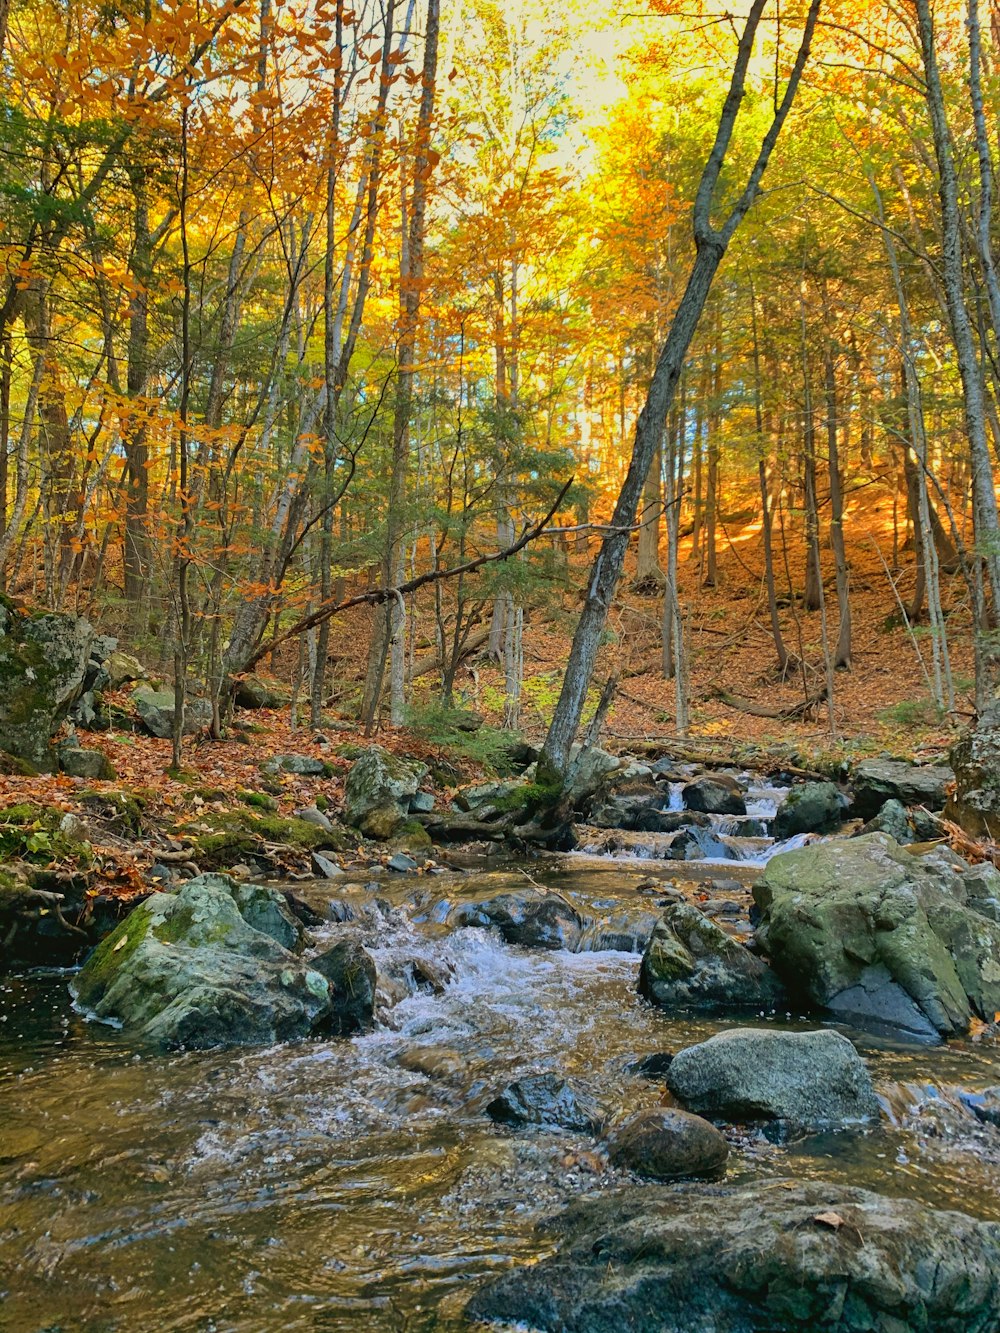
(358, 1184)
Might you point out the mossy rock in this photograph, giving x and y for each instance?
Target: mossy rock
(123, 810)
(259, 800)
(30, 832)
(43, 663)
(237, 834)
(411, 837)
(13, 767)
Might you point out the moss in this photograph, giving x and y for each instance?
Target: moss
(124, 809)
(31, 833)
(241, 833)
(258, 800)
(12, 767)
(349, 750)
(411, 836)
(113, 951)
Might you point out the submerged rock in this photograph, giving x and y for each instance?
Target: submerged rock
(667, 1144)
(715, 795)
(879, 780)
(691, 963)
(877, 935)
(547, 1099)
(209, 965)
(805, 1080)
(809, 807)
(548, 922)
(769, 1256)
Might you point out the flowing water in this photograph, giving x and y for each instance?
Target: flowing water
(356, 1185)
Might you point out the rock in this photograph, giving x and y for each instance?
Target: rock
(667, 1144)
(669, 821)
(87, 712)
(350, 971)
(207, 965)
(809, 807)
(73, 827)
(806, 1080)
(891, 819)
(982, 889)
(253, 692)
(691, 963)
(975, 804)
(549, 922)
(43, 662)
(422, 802)
(547, 1099)
(489, 800)
(325, 868)
(985, 1105)
(695, 844)
(378, 791)
(316, 817)
(466, 720)
(80, 763)
(653, 1066)
(102, 647)
(876, 935)
(770, 1255)
(624, 810)
(401, 863)
(156, 711)
(587, 770)
(123, 668)
(303, 765)
(879, 780)
(436, 1062)
(716, 795)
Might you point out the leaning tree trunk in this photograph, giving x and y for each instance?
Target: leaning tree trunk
(710, 247)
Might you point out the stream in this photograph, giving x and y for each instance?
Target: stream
(335, 1185)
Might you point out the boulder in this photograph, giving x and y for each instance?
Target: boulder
(891, 819)
(770, 1255)
(881, 937)
(691, 963)
(698, 843)
(254, 692)
(302, 765)
(317, 818)
(809, 807)
(588, 769)
(879, 780)
(207, 965)
(80, 763)
(43, 663)
(549, 1100)
(123, 668)
(715, 795)
(975, 804)
(548, 922)
(378, 791)
(350, 972)
(666, 1144)
(156, 712)
(804, 1080)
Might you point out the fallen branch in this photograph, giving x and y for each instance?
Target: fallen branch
(376, 596)
(785, 714)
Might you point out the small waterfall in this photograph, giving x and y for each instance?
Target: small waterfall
(676, 801)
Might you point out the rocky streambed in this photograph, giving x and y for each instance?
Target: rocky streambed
(468, 1155)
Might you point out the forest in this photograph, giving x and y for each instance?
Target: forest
(499, 665)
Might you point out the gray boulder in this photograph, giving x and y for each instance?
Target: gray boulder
(691, 963)
(254, 692)
(804, 1080)
(549, 1100)
(302, 765)
(878, 936)
(588, 769)
(122, 668)
(207, 965)
(809, 807)
(548, 922)
(80, 763)
(43, 663)
(379, 789)
(879, 780)
(156, 712)
(770, 1256)
(350, 971)
(715, 795)
(666, 1144)
(891, 819)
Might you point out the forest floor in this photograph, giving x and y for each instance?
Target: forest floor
(881, 704)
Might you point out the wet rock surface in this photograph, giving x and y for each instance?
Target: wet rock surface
(809, 807)
(717, 794)
(805, 1080)
(547, 1099)
(865, 929)
(779, 1256)
(690, 962)
(667, 1144)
